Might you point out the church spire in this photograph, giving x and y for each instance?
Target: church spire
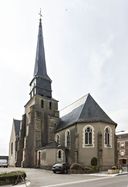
(40, 63)
(41, 83)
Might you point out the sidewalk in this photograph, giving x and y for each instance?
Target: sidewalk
(109, 175)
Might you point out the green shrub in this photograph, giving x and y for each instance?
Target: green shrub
(94, 161)
(88, 169)
(91, 169)
(76, 168)
(114, 167)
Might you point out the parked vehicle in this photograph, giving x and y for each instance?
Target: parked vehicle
(3, 163)
(60, 168)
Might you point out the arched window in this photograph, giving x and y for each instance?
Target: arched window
(60, 155)
(57, 138)
(67, 138)
(107, 137)
(88, 136)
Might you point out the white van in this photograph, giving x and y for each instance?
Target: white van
(3, 163)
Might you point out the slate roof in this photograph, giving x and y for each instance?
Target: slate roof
(122, 133)
(40, 64)
(83, 110)
(16, 126)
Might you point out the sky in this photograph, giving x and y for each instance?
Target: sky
(86, 49)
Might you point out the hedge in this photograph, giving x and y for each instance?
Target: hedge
(13, 177)
(80, 169)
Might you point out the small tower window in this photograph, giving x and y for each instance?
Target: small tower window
(42, 104)
(50, 105)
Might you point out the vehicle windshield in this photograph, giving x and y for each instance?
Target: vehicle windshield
(3, 161)
(59, 164)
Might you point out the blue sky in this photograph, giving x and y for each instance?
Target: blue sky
(86, 44)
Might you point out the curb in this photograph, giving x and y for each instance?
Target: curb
(108, 175)
(124, 173)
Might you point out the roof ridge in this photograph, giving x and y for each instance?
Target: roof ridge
(70, 107)
(74, 102)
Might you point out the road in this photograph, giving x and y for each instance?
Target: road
(44, 178)
(118, 181)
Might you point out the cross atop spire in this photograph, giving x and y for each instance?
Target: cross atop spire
(40, 14)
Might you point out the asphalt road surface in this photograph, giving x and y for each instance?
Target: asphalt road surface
(118, 181)
(44, 178)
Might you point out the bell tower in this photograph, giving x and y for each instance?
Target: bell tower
(41, 111)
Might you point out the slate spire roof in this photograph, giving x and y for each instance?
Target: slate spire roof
(40, 63)
(16, 126)
(83, 110)
(41, 83)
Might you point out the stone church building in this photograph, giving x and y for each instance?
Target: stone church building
(46, 136)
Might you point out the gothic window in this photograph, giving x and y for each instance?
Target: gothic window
(107, 137)
(88, 136)
(67, 139)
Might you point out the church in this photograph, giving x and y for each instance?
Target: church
(45, 135)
